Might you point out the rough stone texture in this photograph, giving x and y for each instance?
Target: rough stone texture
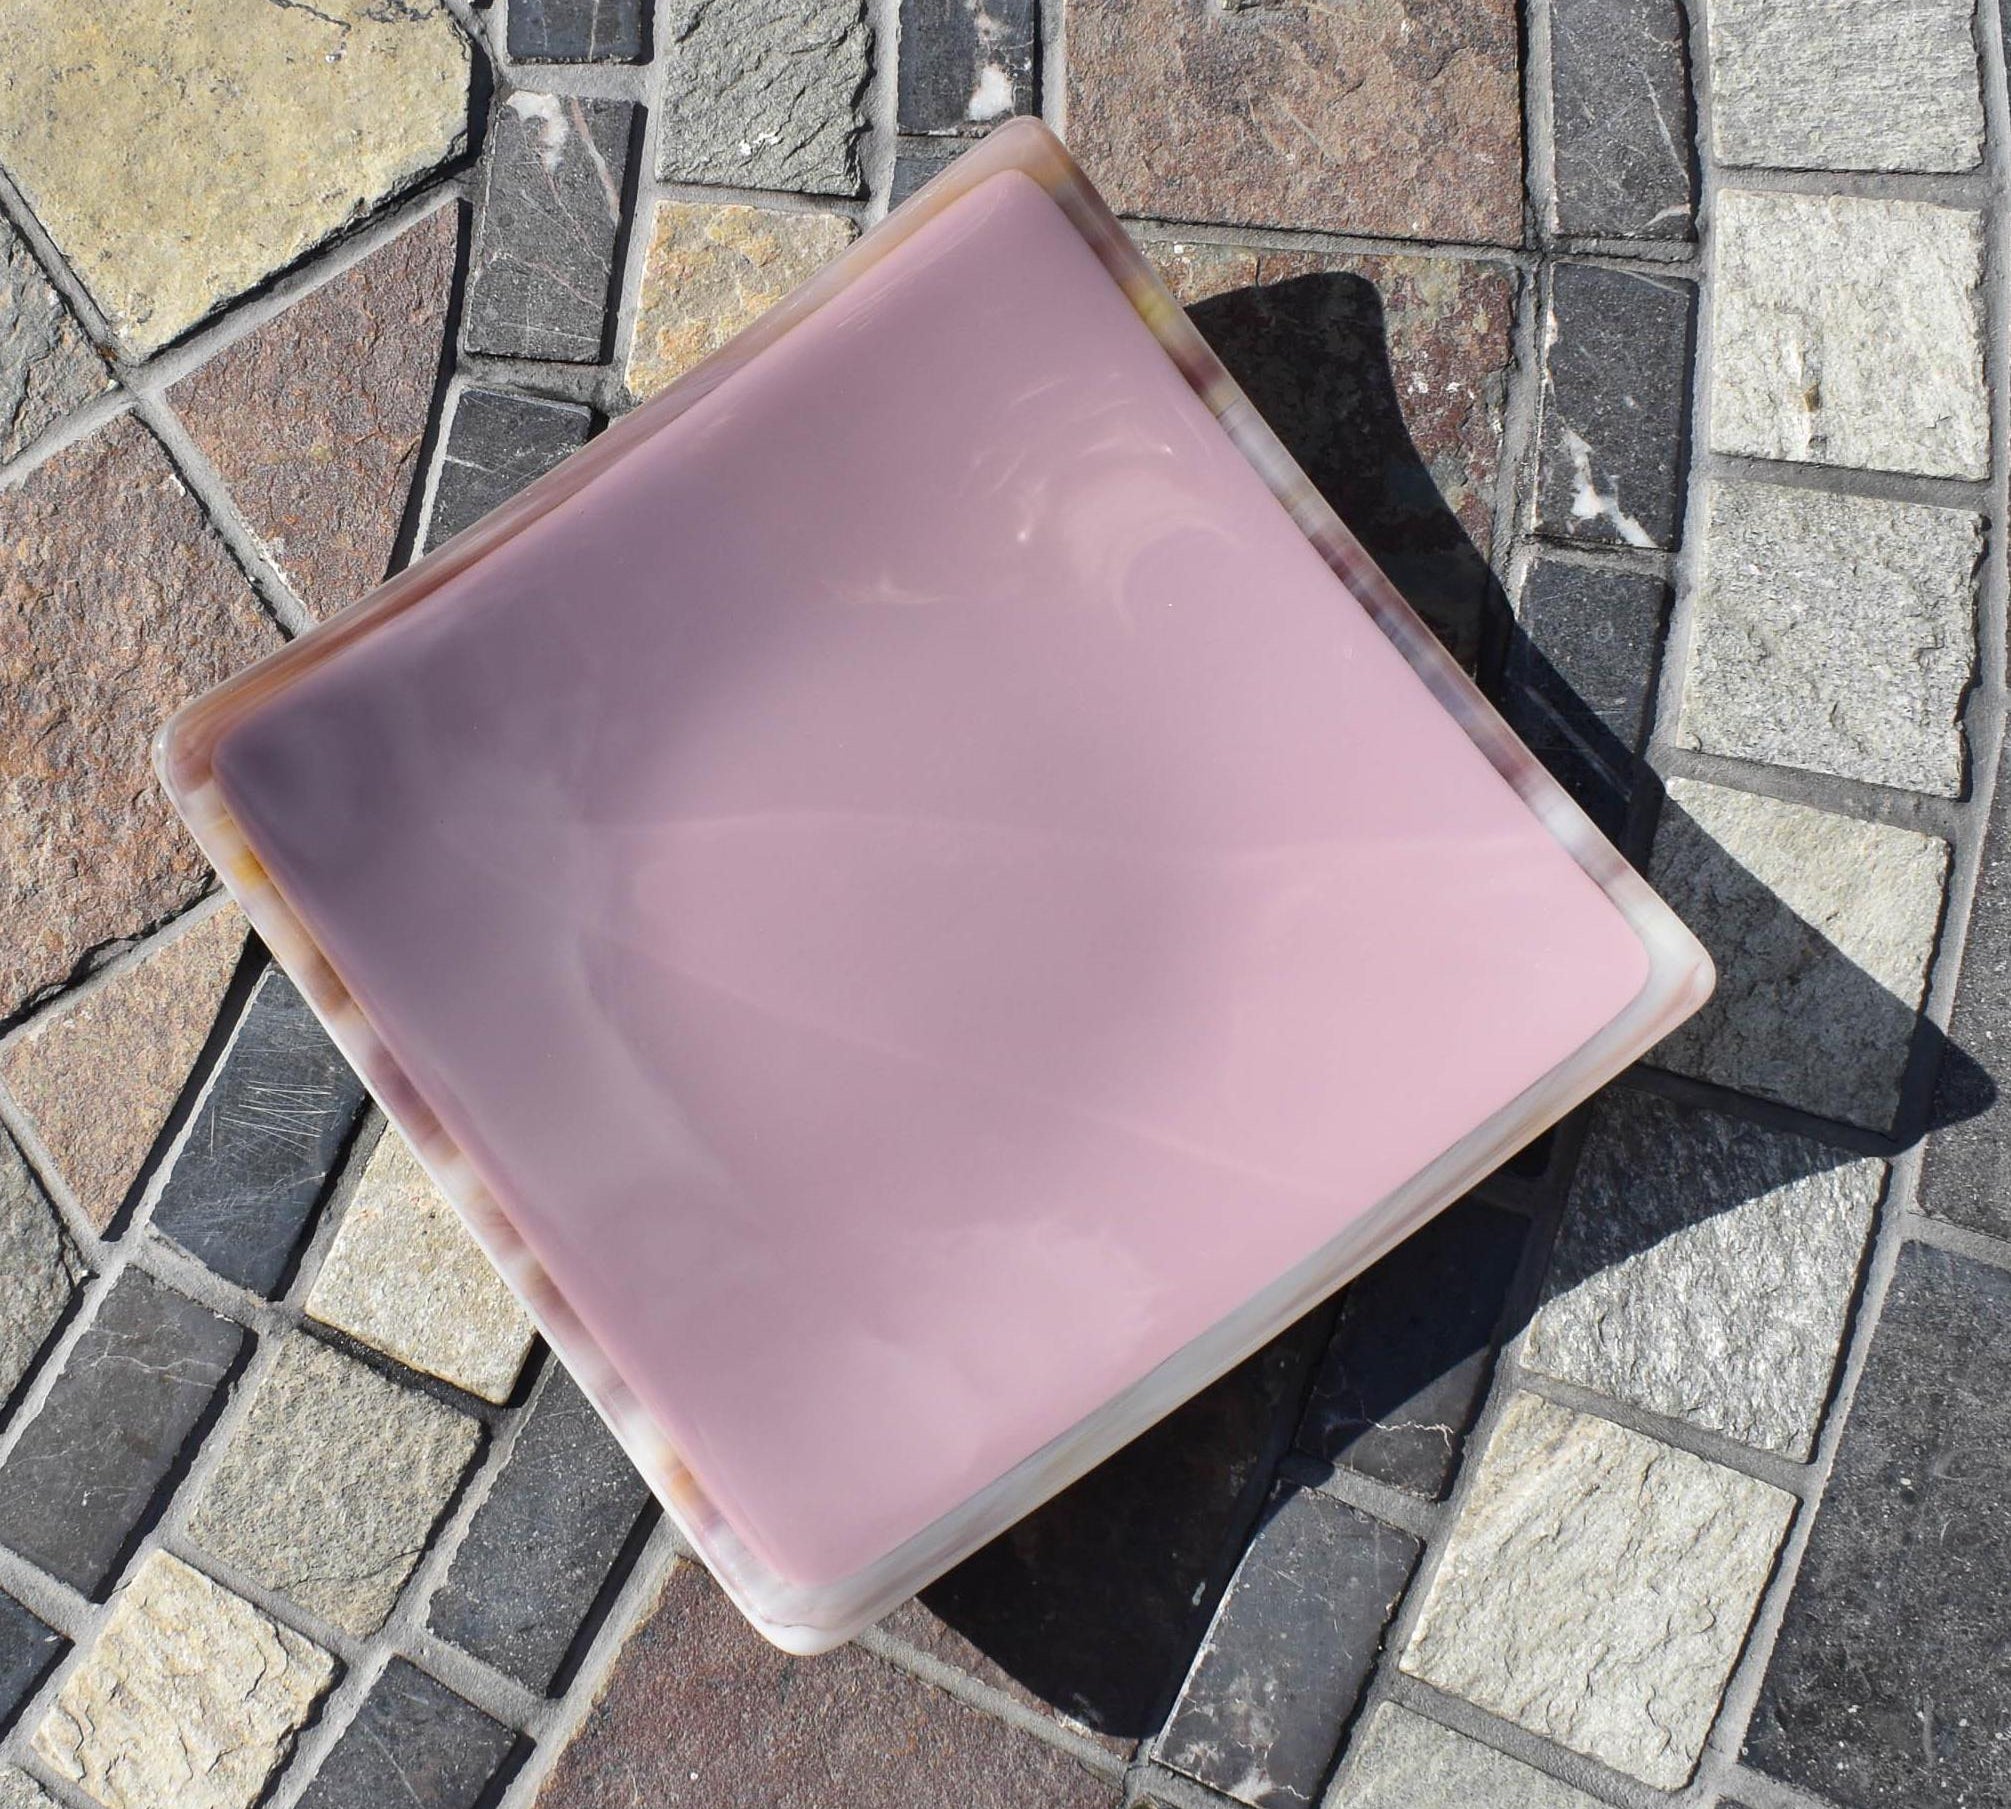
(1835, 633)
(1597, 1587)
(541, 1546)
(763, 96)
(118, 603)
(47, 366)
(1616, 406)
(413, 1742)
(1821, 927)
(1401, 1384)
(99, 1075)
(179, 155)
(82, 1478)
(1890, 1684)
(315, 420)
(1846, 84)
(39, 1269)
(266, 1137)
(965, 63)
(545, 234)
(19, 1791)
(1849, 332)
(1620, 106)
(699, 1712)
(916, 160)
(1705, 1270)
(1290, 1652)
(1402, 1761)
(331, 1485)
(189, 1696)
(28, 1652)
(576, 31)
(496, 444)
(405, 1276)
(1402, 121)
(714, 267)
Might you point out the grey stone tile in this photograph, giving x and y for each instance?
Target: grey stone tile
(1705, 1270)
(1846, 84)
(1890, 1684)
(1597, 1587)
(543, 259)
(1834, 633)
(497, 443)
(1821, 926)
(1615, 409)
(1849, 332)
(1402, 1761)
(1290, 1651)
(28, 1652)
(413, 1742)
(265, 1140)
(543, 1542)
(19, 1791)
(918, 159)
(965, 63)
(1620, 105)
(79, 1484)
(39, 1269)
(47, 365)
(577, 31)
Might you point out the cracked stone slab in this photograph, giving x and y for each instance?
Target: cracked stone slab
(118, 604)
(178, 156)
(497, 443)
(764, 95)
(332, 1483)
(1705, 1270)
(965, 63)
(406, 1277)
(1597, 1587)
(1846, 84)
(1849, 332)
(189, 1695)
(40, 1269)
(1621, 119)
(413, 1741)
(1834, 633)
(1821, 926)
(47, 363)
(916, 160)
(576, 31)
(28, 1653)
(19, 1791)
(714, 267)
(1403, 1761)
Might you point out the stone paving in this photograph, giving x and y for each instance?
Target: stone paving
(1655, 346)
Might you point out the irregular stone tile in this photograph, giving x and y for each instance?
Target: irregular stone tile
(406, 1277)
(1849, 332)
(189, 1696)
(757, 95)
(1705, 1270)
(82, 1477)
(1616, 406)
(551, 210)
(316, 419)
(100, 1074)
(496, 444)
(39, 1269)
(1402, 1761)
(178, 156)
(1597, 1587)
(916, 160)
(47, 365)
(1846, 84)
(1821, 927)
(1404, 121)
(1402, 1382)
(332, 1484)
(19, 1791)
(1834, 633)
(413, 1742)
(700, 1710)
(576, 31)
(1290, 1652)
(1890, 1683)
(1620, 119)
(118, 604)
(965, 63)
(28, 1652)
(543, 1543)
(715, 267)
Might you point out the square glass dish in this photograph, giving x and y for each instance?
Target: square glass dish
(922, 895)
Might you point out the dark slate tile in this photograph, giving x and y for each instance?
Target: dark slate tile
(413, 1742)
(1620, 93)
(1891, 1680)
(965, 63)
(1402, 1381)
(1615, 408)
(77, 1487)
(266, 1137)
(496, 444)
(577, 31)
(543, 258)
(916, 160)
(28, 1651)
(1290, 1652)
(542, 1544)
